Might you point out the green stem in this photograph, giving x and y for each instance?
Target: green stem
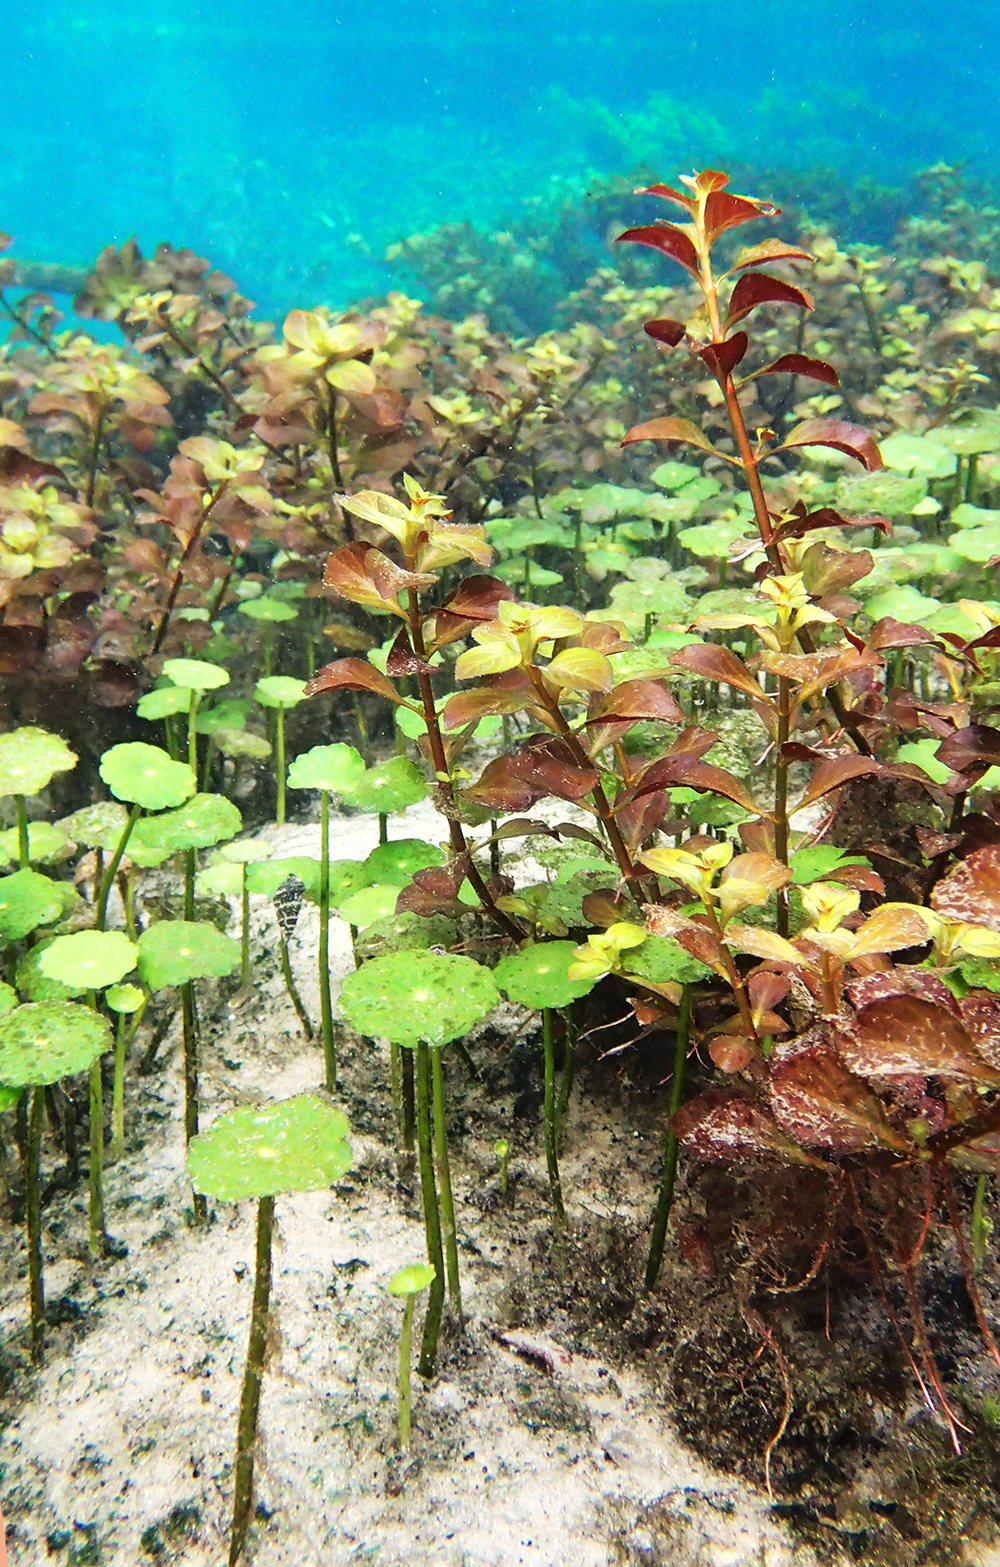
(96, 1183)
(325, 1000)
(409, 1103)
(111, 869)
(192, 755)
(245, 930)
(383, 827)
(33, 1222)
(189, 1029)
(279, 735)
(405, 1341)
(569, 1069)
(432, 1219)
(93, 458)
(246, 1429)
(266, 649)
(23, 858)
(293, 994)
(551, 1155)
(666, 1195)
(448, 1226)
(125, 1033)
(129, 900)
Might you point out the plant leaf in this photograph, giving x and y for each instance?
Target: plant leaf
(709, 661)
(672, 430)
(725, 1126)
(971, 890)
(668, 239)
(800, 364)
(758, 288)
(351, 674)
(769, 250)
(841, 435)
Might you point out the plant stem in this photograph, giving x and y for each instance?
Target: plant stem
(409, 1103)
(245, 930)
(448, 1226)
(125, 1033)
(331, 437)
(781, 794)
(96, 1179)
(405, 1340)
(94, 457)
(279, 735)
(186, 554)
(23, 858)
(192, 755)
(432, 1219)
(110, 870)
(246, 1429)
(33, 1222)
(325, 1001)
(665, 1199)
(551, 1130)
(383, 828)
(569, 1069)
(293, 994)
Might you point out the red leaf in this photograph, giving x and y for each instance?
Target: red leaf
(971, 750)
(897, 633)
(501, 788)
(769, 250)
(672, 430)
(800, 364)
(722, 358)
(667, 193)
(819, 1103)
(673, 242)
(906, 1036)
(476, 598)
(506, 693)
(709, 661)
(692, 773)
(351, 674)
(725, 211)
(402, 660)
(670, 332)
(839, 434)
(971, 890)
(757, 288)
(637, 700)
(833, 775)
(725, 1126)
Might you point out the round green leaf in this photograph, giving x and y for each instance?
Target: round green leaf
(412, 1279)
(265, 878)
(298, 1145)
(917, 454)
(923, 754)
(267, 609)
(164, 702)
(977, 544)
(902, 603)
(195, 674)
(398, 862)
(279, 691)
(401, 932)
(8, 999)
(96, 826)
(36, 986)
(173, 951)
(89, 960)
(536, 976)
(29, 758)
(125, 998)
(407, 997)
(47, 845)
(369, 904)
(674, 475)
(663, 961)
(144, 775)
(334, 768)
(230, 714)
(220, 880)
(204, 821)
(27, 900)
(42, 1042)
(389, 787)
(242, 742)
(247, 851)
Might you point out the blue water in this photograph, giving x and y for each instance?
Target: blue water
(290, 143)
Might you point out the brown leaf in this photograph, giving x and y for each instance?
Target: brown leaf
(841, 435)
(800, 364)
(637, 700)
(906, 1036)
(821, 1104)
(723, 357)
(896, 633)
(759, 288)
(669, 332)
(476, 598)
(730, 1052)
(769, 250)
(402, 660)
(506, 693)
(725, 1126)
(351, 674)
(971, 889)
(670, 241)
(692, 773)
(833, 775)
(971, 750)
(710, 662)
(672, 430)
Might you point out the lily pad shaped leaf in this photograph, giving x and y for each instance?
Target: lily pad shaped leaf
(96, 826)
(267, 609)
(8, 999)
(397, 862)
(27, 900)
(29, 759)
(125, 998)
(369, 904)
(279, 691)
(47, 845)
(195, 674)
(173, 951)
(663, 961)
(145, 775)
(205, 820)
(247, 851)
(413, 1278)
(43, 1042)
(164, 702)
(413, 997)
(536, 976)
(298, 1145)
(220, 880)
(389, 787)
(89, 959)
(333, 768)
(266, 877)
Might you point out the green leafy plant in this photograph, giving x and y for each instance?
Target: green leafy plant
(297, 1145)
(408, 1283)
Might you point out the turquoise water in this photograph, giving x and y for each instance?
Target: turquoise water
(291, 143)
